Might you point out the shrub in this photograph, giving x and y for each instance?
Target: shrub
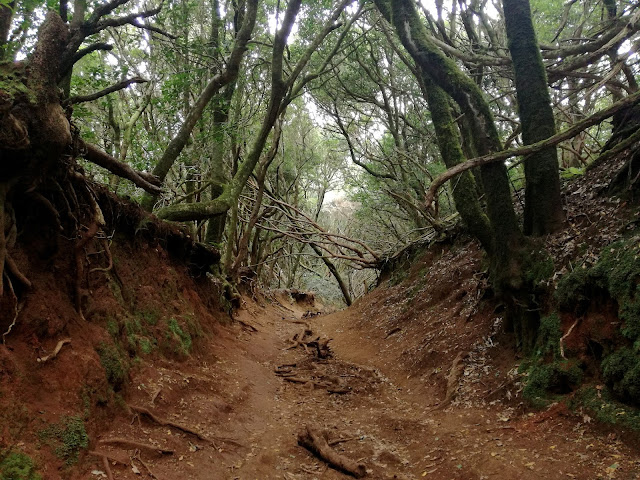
(17, 466)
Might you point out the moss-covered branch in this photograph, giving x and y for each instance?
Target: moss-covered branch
(571, 132)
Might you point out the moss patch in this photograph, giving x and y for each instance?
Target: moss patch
(177, 334)
(546, 381)
(115, 367)
(538, 267)
(67, 438)
(615, 276)
(621, 372)
(549, 336)
(601, 405)
(17, 466)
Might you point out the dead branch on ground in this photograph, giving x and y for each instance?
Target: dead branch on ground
(316, 442)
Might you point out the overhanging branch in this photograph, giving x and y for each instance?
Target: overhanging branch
(571, 132)
(143, 180)
(106, 91)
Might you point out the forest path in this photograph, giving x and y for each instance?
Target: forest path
(232, 395)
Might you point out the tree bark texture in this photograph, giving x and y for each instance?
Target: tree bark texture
(543, 208)
(464, 190)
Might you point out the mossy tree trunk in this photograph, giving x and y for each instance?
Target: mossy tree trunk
(509, 255)
(507, 237)
(334, 271)
(543, 212)
(464, 190)
(217, 176)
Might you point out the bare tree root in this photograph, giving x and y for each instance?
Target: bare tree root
(107, 251)
(564, 337)
(131, 445)
(303, 339)
(3, 238)
(338, 441)
(329, 386)
(247, 326)
(55, 352)
(316, 442)
(13, 269)
(110, 458)
(167, 423)
(92, 231)
(298, 338)
(457, 368)
(17, 307)
(48, 206)
(105, 464)
(79, 254)
(144, 464)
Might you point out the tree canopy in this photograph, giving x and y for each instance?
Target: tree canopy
(312, 140)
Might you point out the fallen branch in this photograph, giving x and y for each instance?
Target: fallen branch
(571, 132)
(131, 445)
(55, 352)
(316, 442)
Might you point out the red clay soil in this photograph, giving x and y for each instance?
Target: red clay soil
(233, 409)
(248, 416)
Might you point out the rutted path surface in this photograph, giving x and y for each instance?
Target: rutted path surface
(249, 417)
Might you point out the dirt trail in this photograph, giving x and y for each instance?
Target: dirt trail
(251, 417)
